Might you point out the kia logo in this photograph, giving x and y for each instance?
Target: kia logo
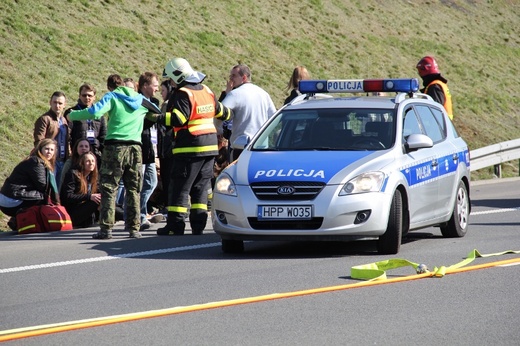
(286, 190)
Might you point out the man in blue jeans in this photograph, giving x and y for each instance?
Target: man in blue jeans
(148, 86)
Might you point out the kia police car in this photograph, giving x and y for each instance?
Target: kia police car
(347, 168)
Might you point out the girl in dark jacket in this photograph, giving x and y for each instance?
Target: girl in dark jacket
(81, 147)
(79, 193)
(32, 181)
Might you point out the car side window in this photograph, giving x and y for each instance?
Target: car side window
(430, 124)
(411, 124)
(437, 113)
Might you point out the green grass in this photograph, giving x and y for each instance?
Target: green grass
(47, 46)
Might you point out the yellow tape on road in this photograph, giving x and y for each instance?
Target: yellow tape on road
(377, 270)
(374, 272)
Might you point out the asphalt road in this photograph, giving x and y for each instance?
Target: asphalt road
(185, 291)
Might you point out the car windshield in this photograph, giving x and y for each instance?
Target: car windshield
(329, 129)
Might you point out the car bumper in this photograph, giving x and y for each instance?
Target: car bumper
(334, 217)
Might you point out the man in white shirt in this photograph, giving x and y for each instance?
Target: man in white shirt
(251, 105)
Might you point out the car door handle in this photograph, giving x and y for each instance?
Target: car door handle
(435, 163)
(455, 157)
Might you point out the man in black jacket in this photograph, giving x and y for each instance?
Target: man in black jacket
(148, 85)
(93, 130)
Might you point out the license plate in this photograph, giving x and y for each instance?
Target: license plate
(288, 212)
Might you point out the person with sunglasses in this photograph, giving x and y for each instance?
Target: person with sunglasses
(92, 129)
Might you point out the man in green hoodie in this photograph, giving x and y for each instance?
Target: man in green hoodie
(122, 155)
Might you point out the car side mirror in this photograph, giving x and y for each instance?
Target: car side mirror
(241, 142)
(417, 141)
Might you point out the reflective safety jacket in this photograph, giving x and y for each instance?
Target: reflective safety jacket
(191, 113)
(447, 96)
(200, 121)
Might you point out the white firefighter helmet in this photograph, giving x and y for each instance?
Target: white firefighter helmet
(179, 70)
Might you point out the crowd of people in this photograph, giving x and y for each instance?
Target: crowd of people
(103, 160)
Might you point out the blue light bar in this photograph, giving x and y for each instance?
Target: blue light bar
(406, 85)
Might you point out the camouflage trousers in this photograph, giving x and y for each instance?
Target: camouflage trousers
(120, 161)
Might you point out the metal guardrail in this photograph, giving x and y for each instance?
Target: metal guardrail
(494, 155)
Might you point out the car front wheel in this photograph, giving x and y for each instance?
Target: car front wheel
(390, 242)
(457, 226)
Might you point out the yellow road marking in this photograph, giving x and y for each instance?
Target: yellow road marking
(20, 333)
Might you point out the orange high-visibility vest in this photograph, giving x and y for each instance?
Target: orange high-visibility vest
(447, 96)
(202, 103)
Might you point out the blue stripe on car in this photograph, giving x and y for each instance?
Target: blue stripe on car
(426, 171)
(318, 166)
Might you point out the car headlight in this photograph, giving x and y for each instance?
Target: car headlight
(367, 182)
(225, 185)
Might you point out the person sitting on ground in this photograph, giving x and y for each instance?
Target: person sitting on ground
(32, 181)
(81, 147)
(79, 193)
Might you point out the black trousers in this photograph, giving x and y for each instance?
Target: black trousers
(84, 214)
(188, 191)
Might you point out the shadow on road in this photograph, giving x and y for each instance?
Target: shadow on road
(206, 246)
(496, 203)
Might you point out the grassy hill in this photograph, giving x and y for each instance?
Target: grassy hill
(57, 45)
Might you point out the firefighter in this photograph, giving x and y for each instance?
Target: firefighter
(190, 111)
(435, 85)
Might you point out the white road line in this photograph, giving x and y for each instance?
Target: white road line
(510, 264)
(495, 211)
(107, 258)
(160, 251)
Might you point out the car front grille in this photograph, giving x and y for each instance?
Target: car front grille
(303, 190)
(313, 223)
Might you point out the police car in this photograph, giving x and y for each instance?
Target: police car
(360, 167)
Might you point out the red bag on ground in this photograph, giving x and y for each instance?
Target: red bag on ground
(55, 218)
(28, 220)
(43, 218)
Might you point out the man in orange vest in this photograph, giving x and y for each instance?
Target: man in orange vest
(435, 85)
(190, 111)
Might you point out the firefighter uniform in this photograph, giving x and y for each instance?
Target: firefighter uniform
(445, 92)
(191, 110)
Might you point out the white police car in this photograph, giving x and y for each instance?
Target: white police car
(347, 168)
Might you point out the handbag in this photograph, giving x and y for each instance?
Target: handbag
(43, 218)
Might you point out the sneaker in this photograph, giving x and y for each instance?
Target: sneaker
(102, 235)
(156, 218)
(135, 234)
(144, 226)
(197, 231)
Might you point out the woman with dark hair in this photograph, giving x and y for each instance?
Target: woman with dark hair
(81, 147)
(79, 193)
(32, 181)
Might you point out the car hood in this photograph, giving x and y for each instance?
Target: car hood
(316, 166)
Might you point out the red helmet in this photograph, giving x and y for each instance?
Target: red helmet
(427, 65)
